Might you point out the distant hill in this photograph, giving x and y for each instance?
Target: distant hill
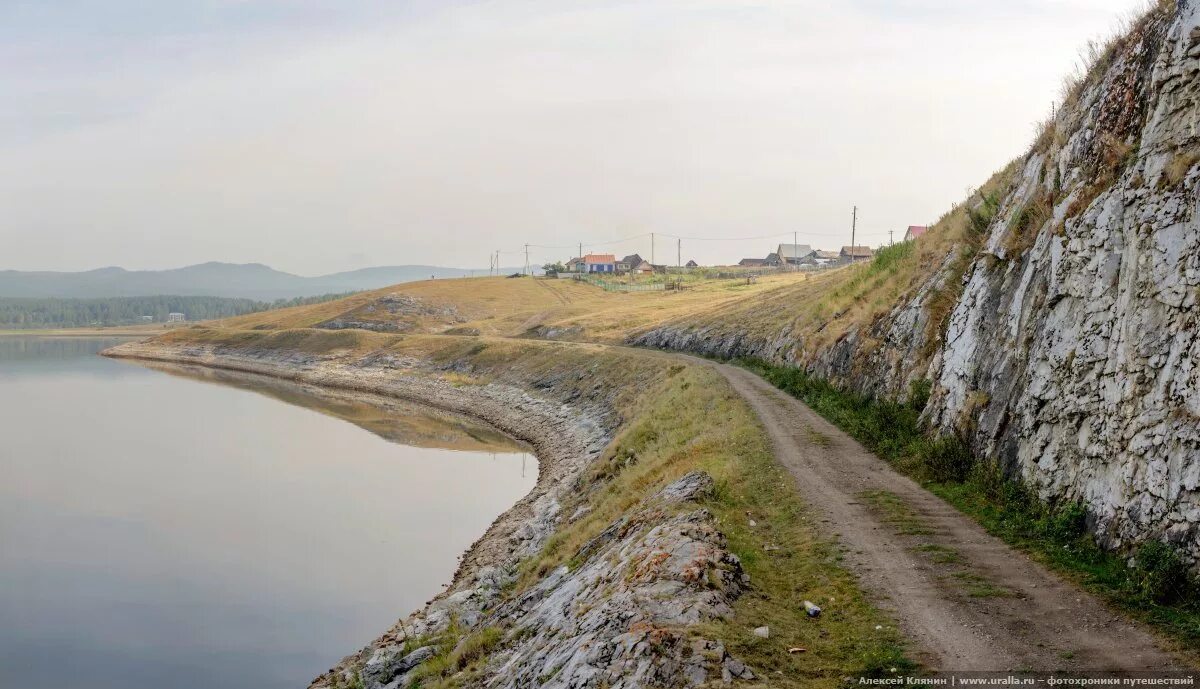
(241, 280)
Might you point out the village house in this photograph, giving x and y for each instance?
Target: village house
(914, 231)
(575, 265)
(600, 263)
(175, 317)
(691, 264)
(772, 260)
(630, 262)
(853, 254)
(752, 262)
(793, 254)
(822, 258)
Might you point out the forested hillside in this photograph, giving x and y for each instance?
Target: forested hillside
(72, 313)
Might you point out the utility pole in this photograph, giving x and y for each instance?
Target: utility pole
(890, 242)
(679, 253)
(853, 230)
(795, 249)
(651, 248)
(527, 259)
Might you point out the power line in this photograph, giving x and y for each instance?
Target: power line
(739, 239)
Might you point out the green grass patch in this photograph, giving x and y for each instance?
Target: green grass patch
(816, 437)
(940, 554)
(977, 586)
(896, 513)
(1155, 588)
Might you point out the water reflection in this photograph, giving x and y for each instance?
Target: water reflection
(156, 532)
(391, 419)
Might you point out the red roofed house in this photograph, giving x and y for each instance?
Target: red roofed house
(914, 231)
(600, 263)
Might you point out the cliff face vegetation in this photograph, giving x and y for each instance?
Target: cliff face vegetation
(1055, 311)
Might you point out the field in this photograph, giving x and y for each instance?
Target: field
(817, 307)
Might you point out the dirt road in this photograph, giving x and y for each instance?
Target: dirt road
(968, 600)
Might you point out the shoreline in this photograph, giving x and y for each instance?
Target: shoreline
(116, 331)
(560, 441)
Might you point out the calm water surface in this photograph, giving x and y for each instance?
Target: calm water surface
(186, 529)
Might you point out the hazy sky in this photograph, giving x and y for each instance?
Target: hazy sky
(323, 135)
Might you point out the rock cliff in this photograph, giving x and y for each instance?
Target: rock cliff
(1065, 342)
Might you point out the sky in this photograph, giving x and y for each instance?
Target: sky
(323, 135)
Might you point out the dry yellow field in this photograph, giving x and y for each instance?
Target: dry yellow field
(817, 307)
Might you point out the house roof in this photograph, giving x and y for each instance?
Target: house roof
(825, 254)
(599, 258)
(857, 251)
(915, 231)
(632, 259)
(771, 258)
(643, 265)
(692, 264)
(793, 250)
(751, 262)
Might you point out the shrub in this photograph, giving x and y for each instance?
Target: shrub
(888, 256)
(947, 459)
(918, 394)
(1161, 574)
(1069, 522)
(980, 217)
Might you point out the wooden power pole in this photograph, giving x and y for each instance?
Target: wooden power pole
(853, 230)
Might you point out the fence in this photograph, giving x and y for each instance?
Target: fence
(613, 286)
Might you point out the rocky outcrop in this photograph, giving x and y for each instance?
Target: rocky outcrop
(1072, 351)
(397, 313)
(619, 618)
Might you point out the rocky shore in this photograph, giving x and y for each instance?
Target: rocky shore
(615, 620)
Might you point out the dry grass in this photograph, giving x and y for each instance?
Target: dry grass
(1026, 223)
(1176, 171)
(525, 307)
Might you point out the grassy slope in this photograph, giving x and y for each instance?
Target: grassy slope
(819, 308)
(512, 307)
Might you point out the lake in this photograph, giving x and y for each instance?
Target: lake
(172, 527)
